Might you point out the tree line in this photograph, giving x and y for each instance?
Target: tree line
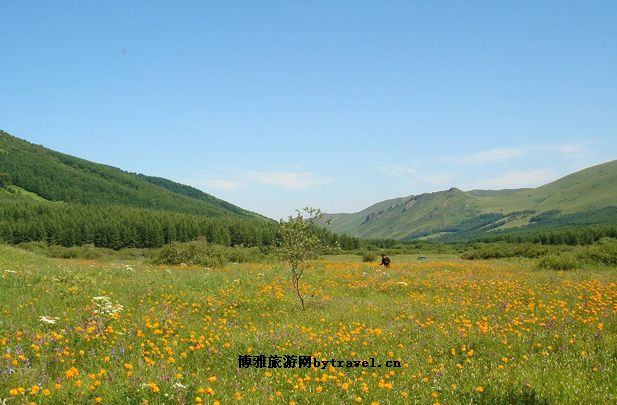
(121, 227)
(572, 235)
(111, 226)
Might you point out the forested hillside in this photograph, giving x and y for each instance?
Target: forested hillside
(60, 199)
(55, 176)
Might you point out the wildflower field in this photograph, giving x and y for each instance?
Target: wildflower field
(77, 331)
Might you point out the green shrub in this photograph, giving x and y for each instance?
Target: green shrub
(368, 256)
(492, 251)
(80, 252)
(563, 261)
(202, 253)
(531, 250)
(34, 247)
(504, 250)
(602, 252)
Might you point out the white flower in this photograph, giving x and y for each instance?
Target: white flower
(105, 306)
(48, 319)
(179, 385)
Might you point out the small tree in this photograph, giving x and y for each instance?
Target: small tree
(5, 180)
(299, 242)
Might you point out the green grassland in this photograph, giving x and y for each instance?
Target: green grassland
(493, 332)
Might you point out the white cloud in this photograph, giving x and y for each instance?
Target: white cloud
(567, 150)
(438, 179)
(285, 179)
(516, 179)
(573, 150)
(222, 184)
(415, 174)
(493, 155)
(290, 180)
(396, 169)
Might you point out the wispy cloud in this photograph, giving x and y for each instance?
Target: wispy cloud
(294, 180)
(493, 155)
(516, 179)
(566, 150)
(573, 149)
(289, 180)
(397, 169)
(438, 179)
(222, 184)
(415, 174)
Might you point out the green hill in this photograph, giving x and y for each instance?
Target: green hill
(445, 214)
(55, 176)
(57, 198)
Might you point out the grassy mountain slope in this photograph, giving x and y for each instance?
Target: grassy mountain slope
(401, 217)
(595, 187)
(454, 211)
(56, 176)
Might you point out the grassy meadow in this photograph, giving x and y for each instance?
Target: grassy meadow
(127, 332)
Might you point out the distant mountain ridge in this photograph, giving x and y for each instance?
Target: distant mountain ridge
(447, 213)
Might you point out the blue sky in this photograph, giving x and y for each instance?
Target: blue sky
(276, 105)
